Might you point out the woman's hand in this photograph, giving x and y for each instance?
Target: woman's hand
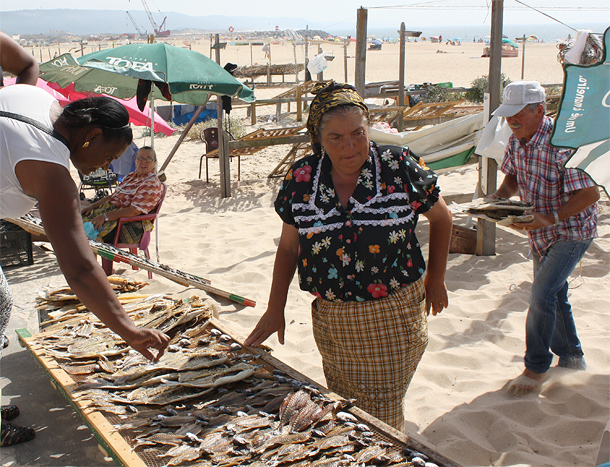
(98, 221)
(436, 296)
(269, 323)
(149, 338)
(87, 210)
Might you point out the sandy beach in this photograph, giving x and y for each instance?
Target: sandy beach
(457, 402)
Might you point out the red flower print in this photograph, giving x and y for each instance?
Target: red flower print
(377, 290)
(415, 204)
(391, 189)
(303, 174)
(409, 263)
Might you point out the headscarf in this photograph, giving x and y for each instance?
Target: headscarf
(329, 96)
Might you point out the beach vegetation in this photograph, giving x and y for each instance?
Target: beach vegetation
(438, 93)
(234, 126)
(481, 85)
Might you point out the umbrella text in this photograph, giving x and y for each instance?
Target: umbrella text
(138, 66)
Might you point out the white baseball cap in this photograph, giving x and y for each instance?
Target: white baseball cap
(517, 95)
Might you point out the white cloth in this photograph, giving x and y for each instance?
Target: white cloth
(21, 141)
(494, 139)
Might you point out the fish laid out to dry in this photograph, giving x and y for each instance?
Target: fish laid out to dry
(500, 211)
(207, 401)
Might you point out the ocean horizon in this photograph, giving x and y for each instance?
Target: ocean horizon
(547, 32)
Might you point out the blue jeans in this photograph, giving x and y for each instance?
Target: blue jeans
(550, 324)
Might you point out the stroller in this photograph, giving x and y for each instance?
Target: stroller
(103, 181)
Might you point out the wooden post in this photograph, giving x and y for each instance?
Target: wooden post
(523, 57)
(361, 50)
(320, 76)
(306, 51)
(345, 44)
(296, 62)
(486, 231)
(223, 147)
(251, 60)
(401, 77)
(298, 104)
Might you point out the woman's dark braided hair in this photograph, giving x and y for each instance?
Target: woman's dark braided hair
(110, 115)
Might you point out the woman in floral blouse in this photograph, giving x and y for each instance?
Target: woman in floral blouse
(350, 212)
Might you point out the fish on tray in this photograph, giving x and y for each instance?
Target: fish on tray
(501, 211)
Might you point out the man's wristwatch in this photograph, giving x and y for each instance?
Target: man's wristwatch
(556, 216)
(108, 220)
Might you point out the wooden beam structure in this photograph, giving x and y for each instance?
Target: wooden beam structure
(360, 71)
(486, 231)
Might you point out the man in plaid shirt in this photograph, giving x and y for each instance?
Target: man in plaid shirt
(564, 226)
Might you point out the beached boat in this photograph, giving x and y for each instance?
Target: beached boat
(507, 51)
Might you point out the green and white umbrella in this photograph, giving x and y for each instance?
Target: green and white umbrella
(190, 76)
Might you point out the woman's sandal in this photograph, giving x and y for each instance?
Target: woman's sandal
(9, 412)
(15, 434)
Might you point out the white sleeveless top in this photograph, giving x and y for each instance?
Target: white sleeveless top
(21, 141)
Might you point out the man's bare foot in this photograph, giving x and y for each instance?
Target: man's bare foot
(527, 382)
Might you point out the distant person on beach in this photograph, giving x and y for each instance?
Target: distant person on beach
(15, 60)
(39, 142)
(138, 193)
(350, 212)
(564, 226)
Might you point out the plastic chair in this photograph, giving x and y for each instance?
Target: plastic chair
(210, 137)
(144, 241)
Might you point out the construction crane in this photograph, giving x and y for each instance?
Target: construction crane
(142, 34)
(159, 31)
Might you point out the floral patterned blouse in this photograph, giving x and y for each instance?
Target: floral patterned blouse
(369, 249)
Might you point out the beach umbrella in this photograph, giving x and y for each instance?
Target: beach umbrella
(510, 42)
(66, 95)
(136, 116)
(134, 70)
(182, 75)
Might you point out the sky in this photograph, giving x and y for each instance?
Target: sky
(342, 13)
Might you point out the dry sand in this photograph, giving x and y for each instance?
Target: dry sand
(457, 402)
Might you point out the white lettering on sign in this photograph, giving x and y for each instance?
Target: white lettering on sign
(138, 66)
(200, 86)
(60, 62)
(606, 100)
(110, 90)
(578, 107)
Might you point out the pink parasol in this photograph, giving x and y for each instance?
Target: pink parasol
(67, 95)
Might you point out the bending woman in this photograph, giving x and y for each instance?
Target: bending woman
(350, 212)
(37, 143)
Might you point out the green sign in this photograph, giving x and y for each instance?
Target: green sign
(584, 112)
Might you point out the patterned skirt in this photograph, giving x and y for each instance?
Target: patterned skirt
(6, 305)
(370, 349)
(130, 233)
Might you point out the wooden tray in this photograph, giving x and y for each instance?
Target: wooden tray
(118, 448)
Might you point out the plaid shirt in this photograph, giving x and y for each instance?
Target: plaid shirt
(545, 182)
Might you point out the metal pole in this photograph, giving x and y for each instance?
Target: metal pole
(486, 231)
(361, 50)
(223, 150)
(401, 76)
